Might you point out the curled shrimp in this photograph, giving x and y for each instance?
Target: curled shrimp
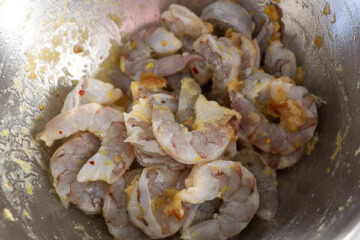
(213, 131)
(139, 51)
(148, 198)
(224, 61)
(148, 151)
(250, 52)
(91, 91)
(187, 26)
(280, 61)
(114, 156)
(115, 209)
(266, 182)
(183, 22)
(64, 167)
(226, 14)
(190, 92)
(282, 99)
(227, 180)
(138, 122)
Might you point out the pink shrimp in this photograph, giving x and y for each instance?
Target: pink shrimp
(278, 98)
(114, 156)
(266, 182)
(215, 128)
(66, 163)
(227, 180)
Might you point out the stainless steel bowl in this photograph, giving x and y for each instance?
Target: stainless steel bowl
(319, 197)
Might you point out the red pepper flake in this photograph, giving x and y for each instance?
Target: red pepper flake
(195, 70)
(60, 132)
(57, 95)
(81, 92)
(92, 162)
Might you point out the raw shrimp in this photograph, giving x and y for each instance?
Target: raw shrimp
(250, 52)
(64, 167)
(224, 60)
(147, 160)
(270, 30)
(114, 156)
(227, 180)
(148, 198)
(139, 51)
(190, 92)
(115, 209)
(201, 212)
(277, 161)
(170, 65)
(184, 23)
(279, 98)
(227, 14)
(138, 123)
(91, 91)
(151, 87)
(188, 26)
(280, 61)
(266, 182)
(214, 129)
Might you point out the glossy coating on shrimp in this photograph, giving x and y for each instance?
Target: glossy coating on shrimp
(153, 191)
(229, 181)
(183, 22)
(280, 61)
(266, 182)
(276, 99)
(206, 142)
(115, 209)
(223, 59)
(227, 14)
(64, 167)
(139, 122)
(91, 91)
(114, 156)
(190, 92)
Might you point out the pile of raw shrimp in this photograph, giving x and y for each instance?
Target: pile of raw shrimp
(196, 153)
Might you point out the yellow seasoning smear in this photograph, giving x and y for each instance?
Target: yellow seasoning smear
(327, 9)
(318, 41)
(8, 215)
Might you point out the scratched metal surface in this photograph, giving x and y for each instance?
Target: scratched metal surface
(319, 197)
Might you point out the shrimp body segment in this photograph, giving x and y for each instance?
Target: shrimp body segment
(114, 156)
(115, 209)
(214, 129)
(223, 59)
(91, 91)
(64, 167)
(229, 181)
